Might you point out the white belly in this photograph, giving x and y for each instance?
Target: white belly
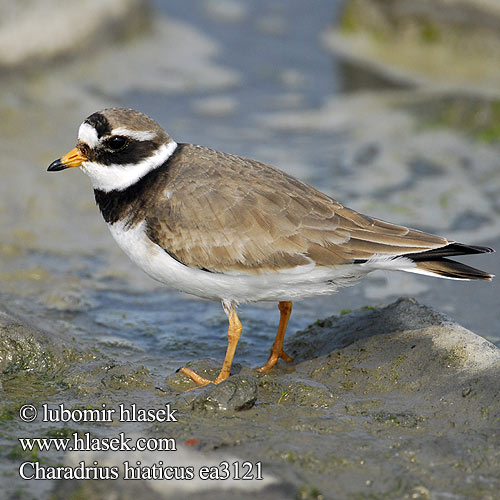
(303, 281)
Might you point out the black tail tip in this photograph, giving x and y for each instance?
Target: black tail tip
(470, 249)
(485, 249)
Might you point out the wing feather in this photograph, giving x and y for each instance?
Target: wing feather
(224, 213)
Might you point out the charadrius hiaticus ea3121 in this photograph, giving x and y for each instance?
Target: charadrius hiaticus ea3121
(228, 228)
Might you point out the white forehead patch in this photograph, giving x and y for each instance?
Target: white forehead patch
(134, 134)
(88, 134)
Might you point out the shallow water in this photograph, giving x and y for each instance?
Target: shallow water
(253, 79)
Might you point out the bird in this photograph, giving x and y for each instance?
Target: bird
(235, 230)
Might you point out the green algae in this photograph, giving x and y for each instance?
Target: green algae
(478, 117)
(17, 453)
(24, 353)
(429, 32)
(423, 43)
(350, 21)
(310, 492)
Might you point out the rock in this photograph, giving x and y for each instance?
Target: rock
(34, 33)
(387, 403)
(377, 325)
(51, 360)
(23, 347)
(446, 42)
(377, 402)
(238, 392)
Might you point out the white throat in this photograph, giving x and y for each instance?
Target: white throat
(119, 177)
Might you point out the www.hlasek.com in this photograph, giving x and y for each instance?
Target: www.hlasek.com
(85, 442)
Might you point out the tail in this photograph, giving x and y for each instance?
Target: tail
(434, 262)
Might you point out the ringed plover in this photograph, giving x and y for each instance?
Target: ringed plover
(228, 228)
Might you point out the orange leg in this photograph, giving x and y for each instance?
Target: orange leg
(277, 351)
(233, 334)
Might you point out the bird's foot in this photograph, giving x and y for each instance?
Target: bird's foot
(273, 359)
(201, 381)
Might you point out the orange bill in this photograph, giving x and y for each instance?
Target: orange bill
(72, 159)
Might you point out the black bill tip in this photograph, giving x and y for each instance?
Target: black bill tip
(56, 166)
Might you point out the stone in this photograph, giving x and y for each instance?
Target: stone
(238, 392)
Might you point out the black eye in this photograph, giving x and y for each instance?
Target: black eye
(117, 142)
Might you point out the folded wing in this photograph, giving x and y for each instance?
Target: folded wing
(241, 216)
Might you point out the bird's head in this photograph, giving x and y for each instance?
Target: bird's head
(116, 147)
